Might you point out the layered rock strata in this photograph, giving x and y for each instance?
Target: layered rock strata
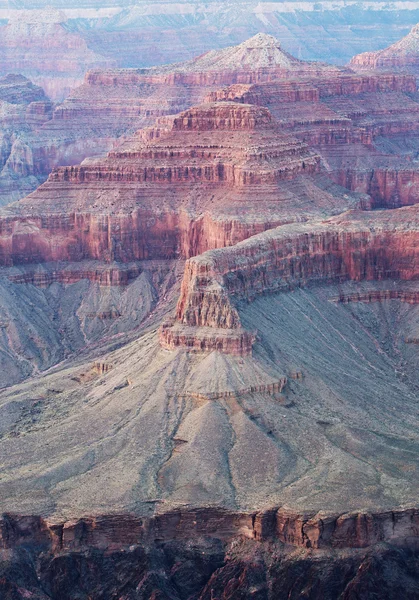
(175, 190)
(117, 102)
(24, 108)
(36, 44)
(365, 127)
(403, 56)
(356, 530)
(356, 247)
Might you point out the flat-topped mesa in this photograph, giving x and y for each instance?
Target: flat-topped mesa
(403, 55)
(359, 246)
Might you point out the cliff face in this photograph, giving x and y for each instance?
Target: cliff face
(202, 170)
(364, 127)
(209, 568)
(313, 104)
(119, 532)
(24, 109)
(113, 102)
(403, 55)
(359, 248)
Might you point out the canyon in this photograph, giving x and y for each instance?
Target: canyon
(209, 335)
(35, 44)
(137, 33)
(357, 140)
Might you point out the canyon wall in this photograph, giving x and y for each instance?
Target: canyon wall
(403, 56)
(357, 248)
(117, 532)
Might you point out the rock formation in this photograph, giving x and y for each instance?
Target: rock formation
(401, 56)
(312, 103)
(371, 246)
(37, 45)
(173, 190)
(24, 109)
(114, 102)
(365, 128)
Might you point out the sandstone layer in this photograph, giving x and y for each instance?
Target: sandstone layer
(175, 190)
(111, 103)
(364, 127)
(403, 56)
(370, 120)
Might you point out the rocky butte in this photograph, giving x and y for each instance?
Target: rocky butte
(115, 102)
(209, 350)
(400, 56)
(323, 104)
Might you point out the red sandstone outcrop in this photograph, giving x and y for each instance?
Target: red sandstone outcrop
(364, 126)
(111, 103)
(200, 180)
(309, 530)
(403, 55)
(355, 247)
(308, 99)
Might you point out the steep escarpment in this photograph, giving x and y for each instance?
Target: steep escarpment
(175, 190)
(114, 102)
(358, 115)
(403, 55)
(361, 247)
(364, 126)
(208, 567)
